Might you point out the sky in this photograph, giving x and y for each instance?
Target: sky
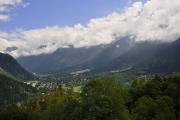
(41, 13)
(33, 27)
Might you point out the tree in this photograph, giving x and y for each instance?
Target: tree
(145, 109)
(104, 100)
(13, 112)
(165, 109)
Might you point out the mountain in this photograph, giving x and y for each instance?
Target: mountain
(149, 58)
(166, 60)
(112, 51)
(11, 66)
(72, 59)
(12, 91)
(140, 52)
(121, 55)
(59, 60)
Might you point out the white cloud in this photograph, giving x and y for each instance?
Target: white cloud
(152, 20)
(6, 6)
(4, 18)
(10, 2)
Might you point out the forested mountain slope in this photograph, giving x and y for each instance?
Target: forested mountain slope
(12, 91)
(10, 65)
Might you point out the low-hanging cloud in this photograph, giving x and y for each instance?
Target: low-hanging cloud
(152, 20)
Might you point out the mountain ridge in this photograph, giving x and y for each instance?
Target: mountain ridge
(11, 66)
(118, 55)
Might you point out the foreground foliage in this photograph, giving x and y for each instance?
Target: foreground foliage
(158, 99)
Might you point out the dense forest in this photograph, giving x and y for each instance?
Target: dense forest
(106, 99)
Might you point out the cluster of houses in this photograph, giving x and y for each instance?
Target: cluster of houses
(43, 85)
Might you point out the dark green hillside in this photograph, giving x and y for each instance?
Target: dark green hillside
(10, 65)
(12, 91)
